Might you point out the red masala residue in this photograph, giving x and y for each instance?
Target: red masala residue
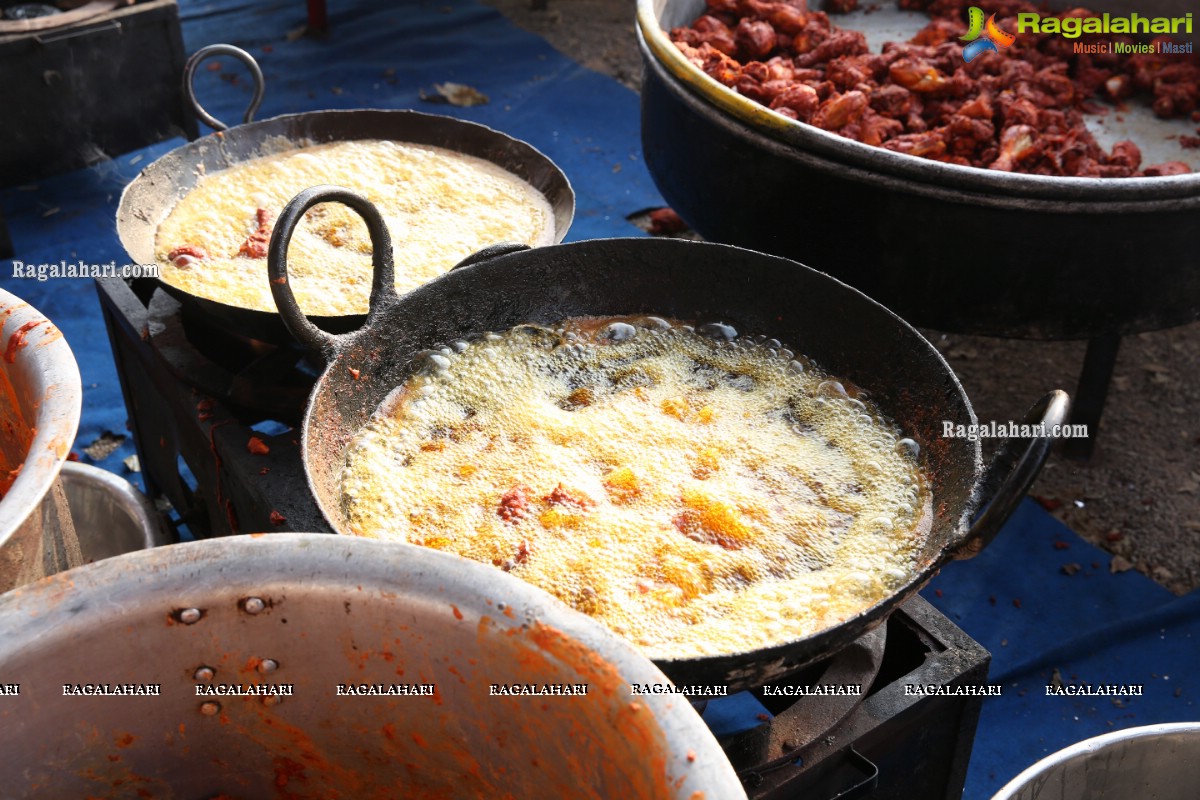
(522, 554)
(277, 518)
(124, 740)
(17, 340)
(514, 503)
(257, 447)
(457, 614)
(563, 497)
(454, 671)
(212, 445)
(287, 770)
(231, 515)
(546, 654)
(8, 478)
(665, 222)
(419, 740)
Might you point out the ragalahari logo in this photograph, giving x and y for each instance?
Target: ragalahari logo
(993, 37)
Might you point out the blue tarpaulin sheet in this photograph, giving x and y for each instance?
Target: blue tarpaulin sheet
(1092, 626)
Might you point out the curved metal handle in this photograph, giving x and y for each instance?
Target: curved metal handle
(1012, 472)
(383, 279)
(490, 252)
(189, 75)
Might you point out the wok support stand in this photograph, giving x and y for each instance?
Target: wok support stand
(893, 745)
(1091, 393)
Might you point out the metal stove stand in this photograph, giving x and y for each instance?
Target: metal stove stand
(893, 746)
(193, 418)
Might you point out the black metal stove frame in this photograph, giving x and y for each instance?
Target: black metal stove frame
(894, 746)
(225, 488)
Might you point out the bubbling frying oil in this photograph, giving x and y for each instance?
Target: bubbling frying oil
(440, 206)
(698, 491)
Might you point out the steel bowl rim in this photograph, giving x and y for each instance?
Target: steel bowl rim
(656, 46)
(1088, 747)
(122, 493)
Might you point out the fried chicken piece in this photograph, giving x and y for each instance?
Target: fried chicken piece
(1167, 168)
(755, 39)
(1018, 143)
(802, 100)
(929, 144)
(840, 110)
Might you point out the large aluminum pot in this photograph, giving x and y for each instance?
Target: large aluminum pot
(41, 398)
(1155, 761)
(944, 246)
(313, 611)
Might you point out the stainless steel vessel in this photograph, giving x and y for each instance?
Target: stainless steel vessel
(1154, 761)
(313, 612)
(110, 515)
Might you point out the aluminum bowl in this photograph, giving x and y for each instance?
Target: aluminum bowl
(1155, 761)
(110, 515)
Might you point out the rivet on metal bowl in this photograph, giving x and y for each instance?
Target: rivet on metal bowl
(210, 708)
(272, 700)
(204, 674)
(268, 665)
(253, 605)
(190, 616)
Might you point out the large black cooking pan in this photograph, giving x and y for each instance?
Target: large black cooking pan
(947, 247)
(848, 334)
(152, 195)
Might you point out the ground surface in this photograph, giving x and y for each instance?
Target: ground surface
(1139, 496)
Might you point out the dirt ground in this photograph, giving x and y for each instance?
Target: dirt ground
(1139, 495)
